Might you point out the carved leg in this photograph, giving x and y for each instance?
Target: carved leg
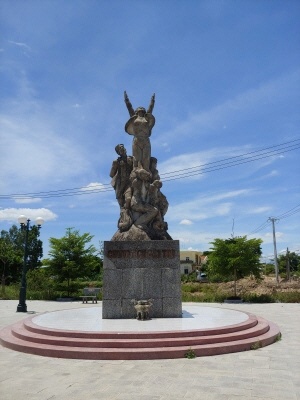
(149, 213)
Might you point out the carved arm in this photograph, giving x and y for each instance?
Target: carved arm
(128, 104)
(151, 105)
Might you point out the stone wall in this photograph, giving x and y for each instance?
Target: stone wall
(140, 271)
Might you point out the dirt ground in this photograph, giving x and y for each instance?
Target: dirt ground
(267, 285)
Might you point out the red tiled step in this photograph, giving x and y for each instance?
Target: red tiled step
(18, 337)
(22, 333)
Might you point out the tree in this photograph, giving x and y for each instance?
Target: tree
(12, 253)
(7, 259)
(289, 263)
(35, 248)
(235, 258)
(72, 257)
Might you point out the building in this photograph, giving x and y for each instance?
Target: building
(191, 260)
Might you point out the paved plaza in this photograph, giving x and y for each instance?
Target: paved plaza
(269, 373)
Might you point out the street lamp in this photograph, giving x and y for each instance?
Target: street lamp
(25, 226)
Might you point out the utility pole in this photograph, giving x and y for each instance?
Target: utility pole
(272, 219)
(288, 269)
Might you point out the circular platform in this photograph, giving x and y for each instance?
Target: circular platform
(82, 333)
(89, 319)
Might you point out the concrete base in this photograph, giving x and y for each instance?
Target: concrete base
(141, 271)
(82, 334)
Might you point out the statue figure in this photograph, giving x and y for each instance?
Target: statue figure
(159, 200)
(153, 169)
(139, 204)
(120, 174)
(140, 126)
(137, 182)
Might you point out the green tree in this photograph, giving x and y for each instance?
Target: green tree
(8, 259)
(235, 258)
(12, 252)
(289, 262)
(35, 248)
(72, 257)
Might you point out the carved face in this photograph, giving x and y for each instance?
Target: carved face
(140, 111)
(157, 184)
(144, 175)
(120, 149)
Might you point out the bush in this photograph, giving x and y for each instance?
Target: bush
(190, 288)
(258, 298)
(11, 292)
(192, 277)
(287, 297)
(199, 292)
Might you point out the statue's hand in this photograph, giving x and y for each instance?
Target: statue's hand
(128, 104)
(151, 105)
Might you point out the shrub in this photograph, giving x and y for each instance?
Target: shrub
(192, 277)
(189, 288)
(190, 354)
(258, 298)
(11, 292)
(287, 297)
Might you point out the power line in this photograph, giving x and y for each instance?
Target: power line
(259, 228)
(289, 215)
(174, 175)
(225, 165)
(284, 215)
(290, 212)
(285, 145)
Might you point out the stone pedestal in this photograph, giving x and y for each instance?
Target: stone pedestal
(140, 271)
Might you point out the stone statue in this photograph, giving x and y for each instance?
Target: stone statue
(120, 174)
(140, 126)
(137, 182)
(139, 201)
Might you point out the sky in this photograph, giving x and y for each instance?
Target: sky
(226, 75)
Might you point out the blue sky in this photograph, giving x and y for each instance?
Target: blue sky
(226, 76)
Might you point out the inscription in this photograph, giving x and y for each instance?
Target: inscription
(141, 254)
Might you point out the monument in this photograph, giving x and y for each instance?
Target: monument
(141, 261)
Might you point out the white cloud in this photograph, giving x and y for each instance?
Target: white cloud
(19, 44)
(93, 187)
(271, 174)
(12, 214)
(248, 102)
(185, 222)
(195, 165)
(34, 152)
(196, 239)
(259, 210)
(201, 207)
(190, 163)
(26, 200)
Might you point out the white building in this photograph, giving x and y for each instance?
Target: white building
(191, 260)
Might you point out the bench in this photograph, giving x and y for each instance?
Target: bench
(90, 293)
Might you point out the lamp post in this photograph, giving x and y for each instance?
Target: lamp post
(25, 226)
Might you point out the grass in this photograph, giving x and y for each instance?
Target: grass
(256, 345)
(218, 292)
(191, 292)
(190, 354)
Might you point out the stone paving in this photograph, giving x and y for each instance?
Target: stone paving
(269, 373)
